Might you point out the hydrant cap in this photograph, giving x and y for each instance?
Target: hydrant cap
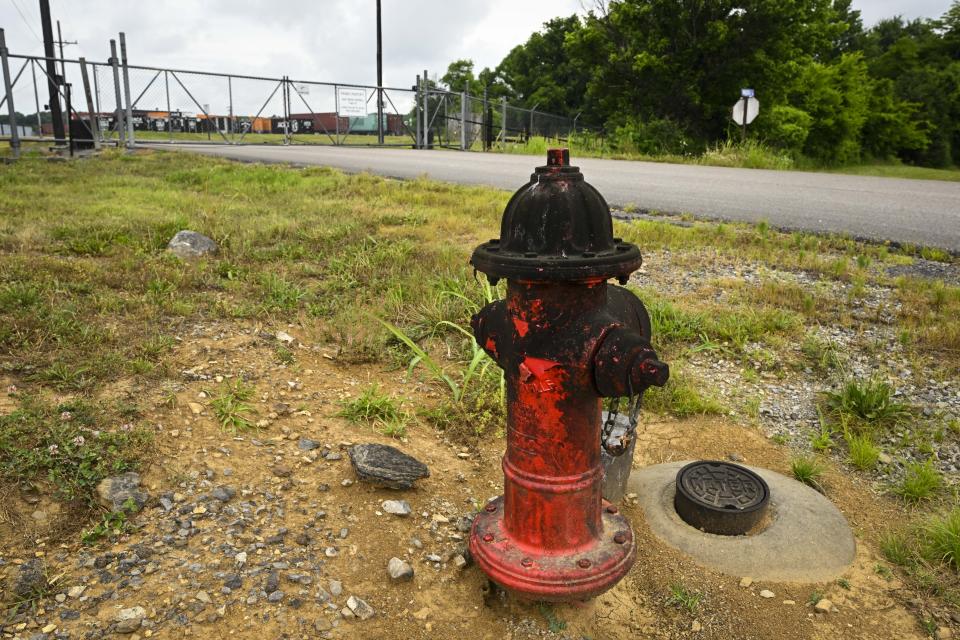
(557, 227)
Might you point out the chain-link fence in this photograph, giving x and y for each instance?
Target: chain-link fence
(117, 103)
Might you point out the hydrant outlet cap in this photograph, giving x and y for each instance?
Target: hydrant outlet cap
(557, 227)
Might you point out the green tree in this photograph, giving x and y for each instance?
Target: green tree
(541, 71)
(459, 77)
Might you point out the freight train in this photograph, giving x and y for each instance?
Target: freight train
(298, 123)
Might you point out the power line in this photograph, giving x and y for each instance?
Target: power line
(25, 21)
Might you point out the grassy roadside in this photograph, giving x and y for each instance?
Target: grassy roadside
(90, 303)
(751, 155)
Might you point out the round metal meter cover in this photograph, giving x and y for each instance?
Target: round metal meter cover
(720, 497)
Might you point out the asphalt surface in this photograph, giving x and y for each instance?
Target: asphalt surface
(922, 212)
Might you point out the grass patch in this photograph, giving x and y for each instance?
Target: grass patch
(870, 402)
(371, 406)
(72, 446)
(921, 481)
(682, 397)
(231, 408)
(862, 452)
(684, 598)
(808, 470)
(940, 538)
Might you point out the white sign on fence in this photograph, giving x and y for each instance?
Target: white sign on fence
(302, 89)
(351, 102)
(753, 109)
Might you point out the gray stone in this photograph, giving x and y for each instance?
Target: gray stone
(399, 570)
(273, 582)
(276, 596)
(129, 620)
(190, 244)
(29, 580)
(224, 494)
(386, 466)
(397, 507)
(336, 588)
(119, 493)
(306, 444)
(360, 608)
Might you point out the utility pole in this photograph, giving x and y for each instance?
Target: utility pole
(63, 64)
(56, 115)
(379, 77)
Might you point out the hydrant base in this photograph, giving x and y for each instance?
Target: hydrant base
(552, 578)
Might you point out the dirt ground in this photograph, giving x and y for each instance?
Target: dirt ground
(282, 491)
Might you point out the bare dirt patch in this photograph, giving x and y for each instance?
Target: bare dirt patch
(302, 520)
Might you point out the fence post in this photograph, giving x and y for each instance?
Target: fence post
(503, 125)
(336, 111)
(530, 132)
(286, 110)
(463, 121)
(485, 134)
(230, 96)
(166, 85)
(426, 110)
(119, 117)
(416, 111)
(8, 88)
(126, 89)
(36, 97)
(94, 120)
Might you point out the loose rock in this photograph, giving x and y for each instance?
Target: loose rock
(766, 593)
(187, 245)
(386, 466)
(399, 570)
(823, 606)
(129, 620)
(397, 507)
(306, 444)
(118, 493)
(30, 579)
(224, 494)
(360, 608)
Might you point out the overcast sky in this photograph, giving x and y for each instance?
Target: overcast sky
(332, 40)
(323, 40)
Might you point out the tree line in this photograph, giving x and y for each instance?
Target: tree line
(661, 76)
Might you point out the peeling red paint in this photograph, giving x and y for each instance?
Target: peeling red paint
(521, 327)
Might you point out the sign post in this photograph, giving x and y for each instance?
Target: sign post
(745, 111)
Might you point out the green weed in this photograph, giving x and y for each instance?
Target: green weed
(113, 524)
(555, 624)
(863, 453)
(869, 401)
(808, 470)
(73, 445)
(231, 409)
(371, 406)
(921, 480)
(895, 548)
(941, 538)
(681, 597)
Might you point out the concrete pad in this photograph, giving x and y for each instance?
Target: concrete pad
(807, 540)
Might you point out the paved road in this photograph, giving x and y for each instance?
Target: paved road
(923, 212)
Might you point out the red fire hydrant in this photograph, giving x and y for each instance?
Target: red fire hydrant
(565, 339)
